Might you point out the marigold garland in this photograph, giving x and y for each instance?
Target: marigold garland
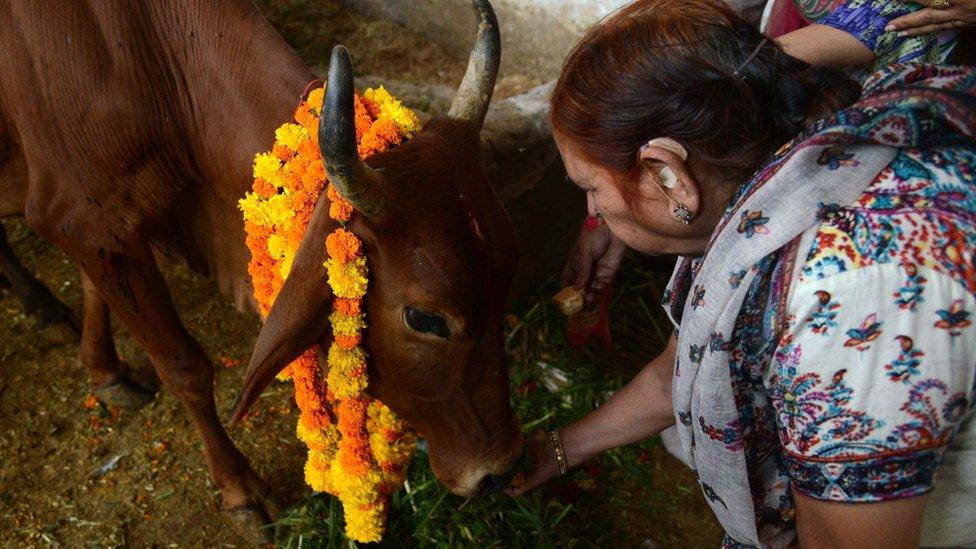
(357, 448)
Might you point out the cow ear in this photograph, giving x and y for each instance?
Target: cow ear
(300, 314)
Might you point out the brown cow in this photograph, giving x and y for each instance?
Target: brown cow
(130, 129)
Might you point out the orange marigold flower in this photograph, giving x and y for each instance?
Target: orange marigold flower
(313, 178)
(304, 116)
(355, 456)
(382, 136)
(292, 180)
(355, 453)
(308, 388)
(264, 189)
(293, 239)
(371, 107)
(348, 341)
(308, 149)
(350, 307)
(256, 231)
(332, 194)
(363, 119)
(341, 210)
(298, 200)
(343, 245)
(388, 131)
(282, 152)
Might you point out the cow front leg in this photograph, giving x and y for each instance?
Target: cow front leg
(54, 319)
(112, 380)
(136, 292)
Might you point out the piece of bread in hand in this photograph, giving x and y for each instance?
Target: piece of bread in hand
(569, 300)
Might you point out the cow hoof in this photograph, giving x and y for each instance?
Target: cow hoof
(251, 523)
(125, 393)
(60, 333)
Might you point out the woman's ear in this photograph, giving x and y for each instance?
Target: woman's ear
(665, 161)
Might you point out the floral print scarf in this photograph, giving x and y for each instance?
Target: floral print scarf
(830, 164)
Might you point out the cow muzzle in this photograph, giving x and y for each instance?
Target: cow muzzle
(480, 476)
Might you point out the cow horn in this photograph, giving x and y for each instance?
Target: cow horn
(356, 182)
(474, 94)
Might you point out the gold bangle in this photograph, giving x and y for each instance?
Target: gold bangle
(557, 451)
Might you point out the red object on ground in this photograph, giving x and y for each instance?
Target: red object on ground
(594, 319)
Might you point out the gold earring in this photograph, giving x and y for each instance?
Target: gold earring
(683, 214)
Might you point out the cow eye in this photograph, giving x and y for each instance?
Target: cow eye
(426, 323)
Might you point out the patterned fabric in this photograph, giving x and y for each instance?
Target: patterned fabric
(866, 383)
(732, 303)
(866, 20)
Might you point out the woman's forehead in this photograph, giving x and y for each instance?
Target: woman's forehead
(578, 168)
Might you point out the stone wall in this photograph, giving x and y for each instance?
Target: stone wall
(519, 153)
(536, 34)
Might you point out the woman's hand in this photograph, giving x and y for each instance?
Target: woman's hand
(960, 13)
(639, 411)
(539, 453)
(594, 260)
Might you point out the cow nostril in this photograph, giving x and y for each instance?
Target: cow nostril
(495, 483)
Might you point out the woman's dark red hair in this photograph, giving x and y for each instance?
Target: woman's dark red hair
(664, 68)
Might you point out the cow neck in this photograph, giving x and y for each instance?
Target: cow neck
(240, 79)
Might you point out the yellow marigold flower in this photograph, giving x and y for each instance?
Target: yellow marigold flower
(318, 473)
(290, 135)
(315, 98)
(346, 324)
(357, 490)
(346, 359)
(365, 525)
(278, 209)
(286, 263)
(251, 205)
(393, 109)
(364, 507)
(378, 95)
(348, 280)
(347, 373)
(382, 450)
(405, 119)
(276, 246)
(347, 386)
(266, 166)
(284, 375)
(319, 440)
(266, 212)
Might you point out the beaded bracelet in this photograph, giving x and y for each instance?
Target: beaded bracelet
(557, 451)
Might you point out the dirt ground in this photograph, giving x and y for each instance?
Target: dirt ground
(53, 441)
(75, 473)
